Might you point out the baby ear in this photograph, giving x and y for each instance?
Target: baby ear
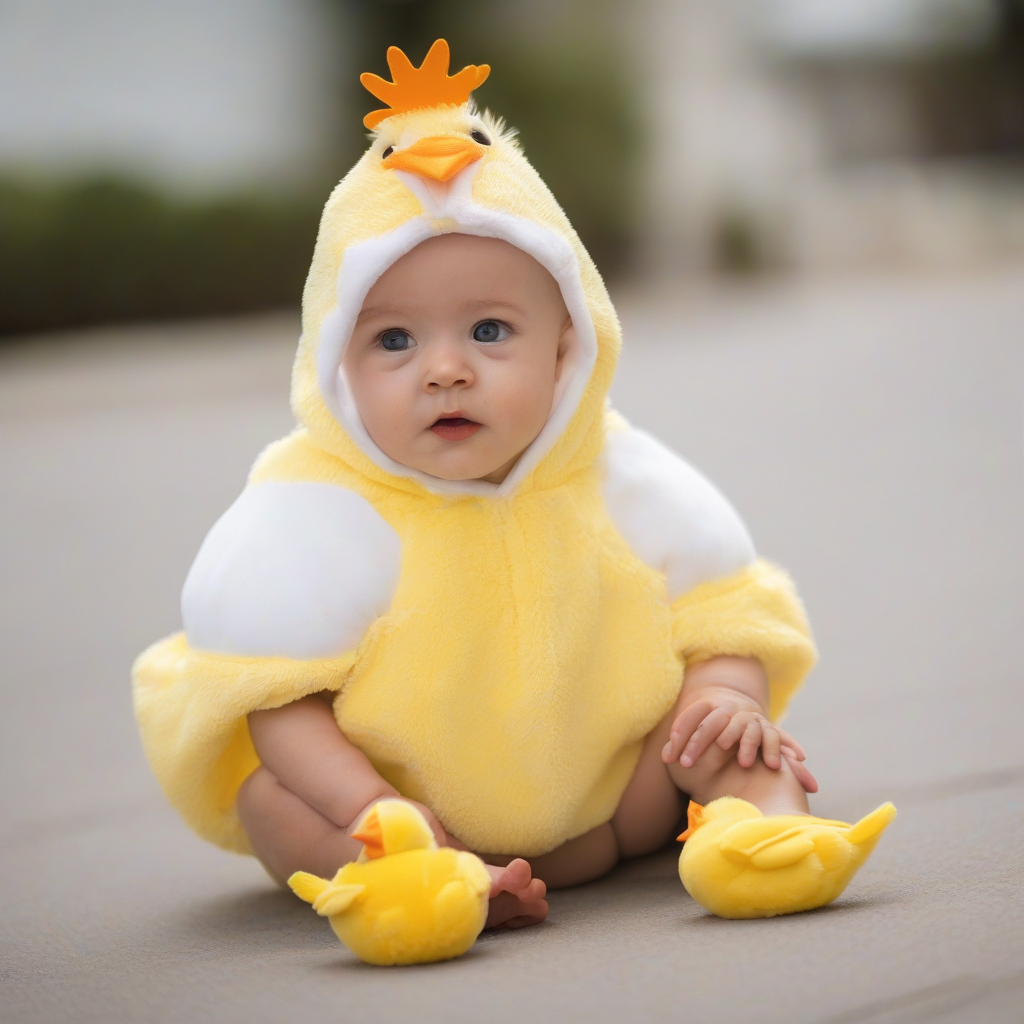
(567, 342)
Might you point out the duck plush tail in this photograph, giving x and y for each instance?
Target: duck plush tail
(872, 825)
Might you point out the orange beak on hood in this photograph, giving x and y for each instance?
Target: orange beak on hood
(438, 157)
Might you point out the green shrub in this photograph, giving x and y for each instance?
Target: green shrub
(107, 250)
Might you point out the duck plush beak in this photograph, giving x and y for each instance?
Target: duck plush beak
(371, 835)
(694, 820)
(437, 157)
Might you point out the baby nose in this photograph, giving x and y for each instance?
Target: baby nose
(448, 370)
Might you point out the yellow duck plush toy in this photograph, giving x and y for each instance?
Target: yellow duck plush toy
(405, 901)
(737, 863)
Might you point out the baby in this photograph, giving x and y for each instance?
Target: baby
(463, 581)
(453, 365)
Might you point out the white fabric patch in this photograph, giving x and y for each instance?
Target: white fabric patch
(454, 210)
(295, 570)
(673, 518)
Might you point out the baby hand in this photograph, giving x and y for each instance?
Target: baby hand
(727, 718)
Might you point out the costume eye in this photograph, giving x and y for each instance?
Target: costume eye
(478, 136)
(490, 331)
(387, 152)
(396, 340)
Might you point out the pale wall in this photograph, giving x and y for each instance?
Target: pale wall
(197, 93)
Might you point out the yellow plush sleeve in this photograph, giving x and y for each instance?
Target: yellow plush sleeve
(191, 707)
(755, 614)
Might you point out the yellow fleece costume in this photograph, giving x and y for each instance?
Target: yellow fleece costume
(499, 652)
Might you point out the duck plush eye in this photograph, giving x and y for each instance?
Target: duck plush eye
(478, 136)
(490, 331)
(396, 340)
(387, 152)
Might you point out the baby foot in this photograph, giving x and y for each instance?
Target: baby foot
(517, 898)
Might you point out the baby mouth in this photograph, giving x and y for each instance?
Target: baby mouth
(455, 428)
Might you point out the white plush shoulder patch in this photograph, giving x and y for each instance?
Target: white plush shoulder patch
(296, 570)
(673, 518)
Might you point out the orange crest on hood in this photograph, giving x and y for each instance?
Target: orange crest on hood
(429, 85)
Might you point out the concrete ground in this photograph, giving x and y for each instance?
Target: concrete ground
(870, 433)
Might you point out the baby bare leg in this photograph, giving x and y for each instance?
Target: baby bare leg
(288, 835)
(579, 860)
(653, 802)
(718, 773)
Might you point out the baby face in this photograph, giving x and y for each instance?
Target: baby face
(456, 355)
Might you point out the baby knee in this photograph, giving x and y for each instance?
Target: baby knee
(255, 793)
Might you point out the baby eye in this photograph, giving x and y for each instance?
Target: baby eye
(490, 330)
(478, 136)
(387, 152)
(396, 340)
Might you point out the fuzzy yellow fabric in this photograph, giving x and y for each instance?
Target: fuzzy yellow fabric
(527, 650)
(754, 614)
(510, 694)
(191, 707)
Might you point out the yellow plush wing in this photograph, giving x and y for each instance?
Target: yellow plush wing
(337, 899)
(306, 886)
(327, 897)
(760, 844)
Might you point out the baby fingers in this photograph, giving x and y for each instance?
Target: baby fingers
(801, 772)
(704, 735)
(737, 726)
(749, 743)
(771, 745)
(798, 753)
(752, 731)
(683, 728)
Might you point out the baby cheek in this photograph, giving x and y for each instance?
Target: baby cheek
(386, 408)
(530, 406)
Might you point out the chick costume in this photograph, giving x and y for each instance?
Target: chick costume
(499, 652)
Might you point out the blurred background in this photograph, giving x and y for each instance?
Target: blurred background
(170, 160)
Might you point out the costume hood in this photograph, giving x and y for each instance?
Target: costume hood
(408, 187)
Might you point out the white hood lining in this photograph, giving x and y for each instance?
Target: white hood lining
(364, 263)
